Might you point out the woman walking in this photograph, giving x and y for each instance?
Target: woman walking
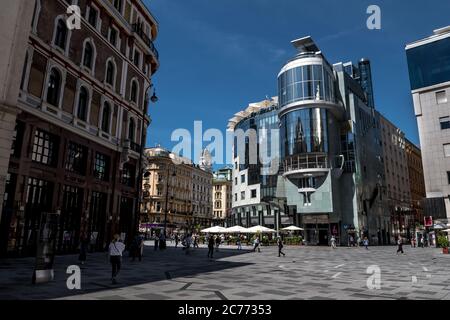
(116, 249)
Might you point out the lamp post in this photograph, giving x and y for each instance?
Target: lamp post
(140, 170)
(167, 199)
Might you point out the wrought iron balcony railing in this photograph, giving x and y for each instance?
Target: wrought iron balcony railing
(138, 29)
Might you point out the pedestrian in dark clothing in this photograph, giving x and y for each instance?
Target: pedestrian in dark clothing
(280, 247)
(196, 242)
(210, 247)
(84, 244)
(136, 248)
(218, 241)
(400, 245)
(177, 239)
(156, 242)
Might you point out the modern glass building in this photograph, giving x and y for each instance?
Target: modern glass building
(429, 73)
(329, 179)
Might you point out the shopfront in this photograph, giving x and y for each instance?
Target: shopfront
(317, 229)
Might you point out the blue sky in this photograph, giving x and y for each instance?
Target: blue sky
(219, 55)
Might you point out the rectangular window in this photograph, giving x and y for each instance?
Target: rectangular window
(45, 148)
(242, 195)
(101, 167)
(441, 97)
(448, 176)
(243, 178)
(235, 197)
(253, 193)
(447, 150)
(76, 158)
(235, 181)
(128, 175)
(445, 123)
(158, 207)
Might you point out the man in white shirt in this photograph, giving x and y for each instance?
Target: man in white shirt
(116, 249)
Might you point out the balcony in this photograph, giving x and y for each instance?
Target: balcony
(137, 28)
(135, 147)
(310, 164)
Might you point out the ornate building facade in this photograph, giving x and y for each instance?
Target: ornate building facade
(78, 139)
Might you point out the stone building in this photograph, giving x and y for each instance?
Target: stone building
(177, 194)
(222, 195)
(167, 192)
(83, 102)
(397, 185)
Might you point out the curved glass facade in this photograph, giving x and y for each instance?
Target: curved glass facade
(304, 131)
(310, 82)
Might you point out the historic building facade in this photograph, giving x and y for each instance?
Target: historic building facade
(222, 195)
(177, 194)
(397, 185)
(77, 143)
(167, 192)
(416, 182)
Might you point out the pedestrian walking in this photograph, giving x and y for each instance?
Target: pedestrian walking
(333, 242)
(280, 247)
(210, 246)
(218, 241)
(177, 239)
(400, 245)
(162, 241)
(137, 248)
(116, 249)
(239, 244)
(366, 243)
(188, 243)
(156, 241)
(84, 245)
(256, 245)
(196, 242)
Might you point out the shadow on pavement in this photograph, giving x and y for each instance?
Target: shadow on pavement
(171, 263)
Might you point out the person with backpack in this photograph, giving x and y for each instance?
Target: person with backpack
(116, 248)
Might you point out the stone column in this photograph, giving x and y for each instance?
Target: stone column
(15, 26)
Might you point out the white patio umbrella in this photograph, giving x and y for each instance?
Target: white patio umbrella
(215, 229)
(260, 229)
(236, 229)
(292, 228)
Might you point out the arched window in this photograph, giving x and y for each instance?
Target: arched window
(61, 34)
(88, 55)
(54, 86)
(131, 130)
(106, 117)
(134, 91)
(110, 71)
(83, 104)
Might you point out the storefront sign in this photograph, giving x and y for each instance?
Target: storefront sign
(428, 221)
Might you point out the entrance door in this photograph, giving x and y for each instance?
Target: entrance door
(323, 237)
(70, 223)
